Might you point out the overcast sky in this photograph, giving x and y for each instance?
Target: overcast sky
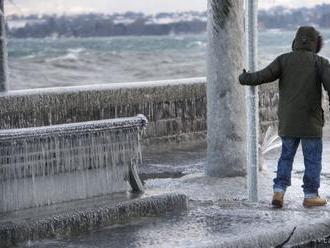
(147, 6)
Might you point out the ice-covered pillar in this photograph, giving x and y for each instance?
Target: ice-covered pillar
(226, 118)
(3, 50)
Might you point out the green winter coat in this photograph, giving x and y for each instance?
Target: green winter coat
(301, 74)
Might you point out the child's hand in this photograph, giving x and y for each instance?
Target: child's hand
(242, 77)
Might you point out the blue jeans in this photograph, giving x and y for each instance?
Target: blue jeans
(312, 150)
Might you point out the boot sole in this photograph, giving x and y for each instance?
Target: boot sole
(313, 205)
(277, 204)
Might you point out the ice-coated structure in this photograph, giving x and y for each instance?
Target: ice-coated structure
(45, 165)
(226, 118)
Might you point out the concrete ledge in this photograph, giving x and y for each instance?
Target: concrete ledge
(14, 229)
(303, 235)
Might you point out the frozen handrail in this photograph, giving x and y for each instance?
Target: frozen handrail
(69, 129)
(103, 87)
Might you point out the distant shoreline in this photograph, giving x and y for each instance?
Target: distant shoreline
(139, 24)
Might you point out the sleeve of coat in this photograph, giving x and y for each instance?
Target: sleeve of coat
(325, 75)
(266, 75)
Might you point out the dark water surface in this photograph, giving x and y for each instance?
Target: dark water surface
(35, 63)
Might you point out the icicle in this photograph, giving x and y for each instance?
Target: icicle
(42, 166)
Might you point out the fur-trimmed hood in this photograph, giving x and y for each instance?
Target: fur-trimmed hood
(307, 38)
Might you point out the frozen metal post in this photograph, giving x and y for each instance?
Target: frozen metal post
(226, 118)
(251, 17)
(3, 50)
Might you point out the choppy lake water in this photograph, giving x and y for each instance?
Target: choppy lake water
(36, 63)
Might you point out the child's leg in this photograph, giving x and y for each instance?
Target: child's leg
(312, 149)
(284, 168)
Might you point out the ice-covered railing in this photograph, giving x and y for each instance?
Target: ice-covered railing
(46, 165)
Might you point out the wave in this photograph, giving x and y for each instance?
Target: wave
(274, 30)
(76, 50)
(31, 56)
(201, 44)
(69, 57)
(72, 55)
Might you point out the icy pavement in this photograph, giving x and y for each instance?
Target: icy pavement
(219, 214)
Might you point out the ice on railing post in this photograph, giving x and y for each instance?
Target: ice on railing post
(252, 100)
(134, 179)
(3, 50)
